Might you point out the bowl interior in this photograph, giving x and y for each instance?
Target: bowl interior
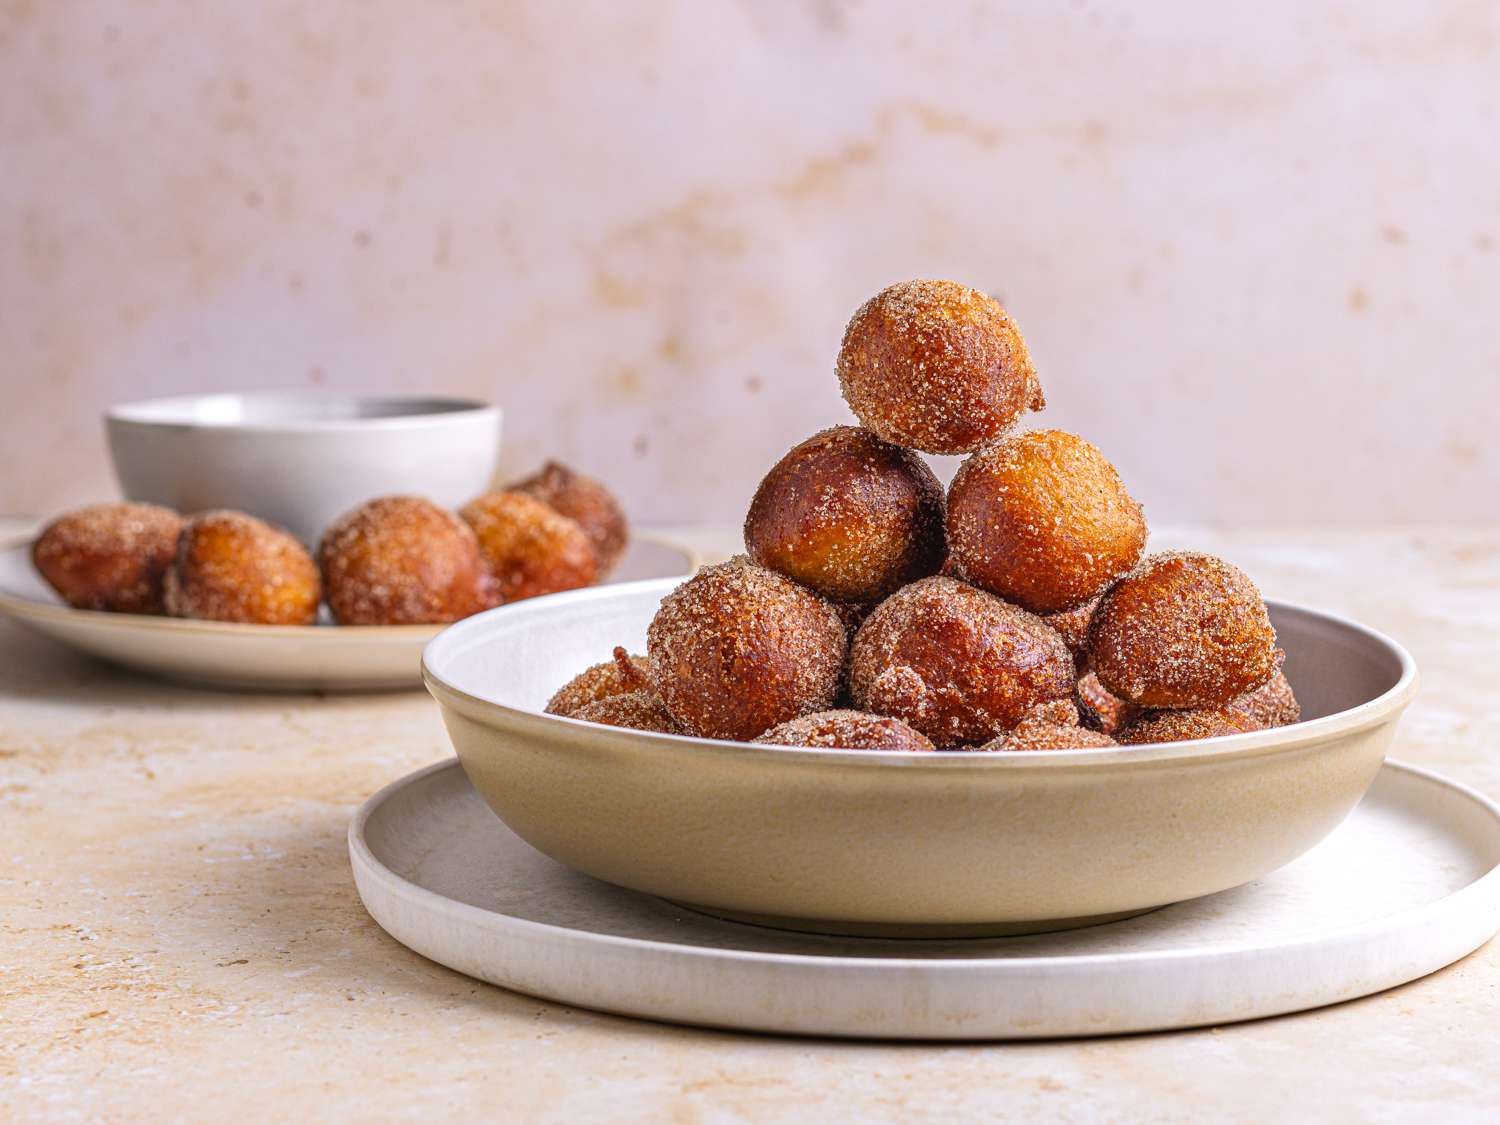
(289, 409)
(517, 656)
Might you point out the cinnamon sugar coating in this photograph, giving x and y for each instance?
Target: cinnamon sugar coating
(402, 560)
(1051, 726)
(1183, 630)
(586, 500)
(1043, 520)
(1072, 626)
(233, 567)
(623, 673)
(846, 730)
(634, 710)
(936, 366)
(958, 664)
(110, 557)
(529, 547)
(737, 649)
(1273, 704)
(848, 514)
(1183, 726)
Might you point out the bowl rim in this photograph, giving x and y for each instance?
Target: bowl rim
(441, 410)
(1372, 713)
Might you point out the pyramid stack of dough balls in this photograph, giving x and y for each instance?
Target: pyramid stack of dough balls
(849, 515)
(109, 557)
(1014, 614)
(738, 649)
(530, 547)
(233, 567)
(403, 560)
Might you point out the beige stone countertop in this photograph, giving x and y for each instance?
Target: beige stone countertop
(180, 936)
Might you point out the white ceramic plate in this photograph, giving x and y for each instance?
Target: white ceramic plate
(1408, 884)
(262, 657)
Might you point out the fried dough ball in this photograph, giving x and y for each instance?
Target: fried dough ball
(1183, 630)
(852, 516)
(1043, 520)
(936, 366)
(958, 664)
(233, 567)
(634, 710)
(402, 560)
(1051, 726)
(1072, 626)
(1101, 710)
(1271, 705)
(109, 557)
(737, 649)
(1183, 726)
(586, 500)
(846, 730)
(624, 673)
(530, 548)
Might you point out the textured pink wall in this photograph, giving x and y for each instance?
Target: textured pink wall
(1256, 253)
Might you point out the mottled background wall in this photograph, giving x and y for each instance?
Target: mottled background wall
(1256, 251)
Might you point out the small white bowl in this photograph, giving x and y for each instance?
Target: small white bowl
(301, 460)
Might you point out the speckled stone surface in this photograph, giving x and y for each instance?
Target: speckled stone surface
(180, 936)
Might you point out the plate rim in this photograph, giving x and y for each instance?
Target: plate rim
(1484, 890)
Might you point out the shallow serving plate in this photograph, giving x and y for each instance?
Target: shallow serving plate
(263, 657)
(882, 842)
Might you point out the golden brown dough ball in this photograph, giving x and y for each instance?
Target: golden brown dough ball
(936, 366)
(1183, 630)
(1043, 520)
(634, 710)
(110, 557)
(846, 730)
(958, 664)
(586, 500)
(529, 548)
(849, 515)
(737, 649)
(624, 673)
(402, 560)
(233, 567)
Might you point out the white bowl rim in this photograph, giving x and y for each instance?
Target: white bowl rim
(175, 411)
(1371, 713)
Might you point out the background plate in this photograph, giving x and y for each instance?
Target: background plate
(263, 657)
(1408, 884)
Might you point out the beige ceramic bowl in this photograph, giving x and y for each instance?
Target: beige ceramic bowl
(884, 842)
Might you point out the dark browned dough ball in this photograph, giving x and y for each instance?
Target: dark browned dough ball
(849, 515)
(634, 710)
(936, 366)
(958, 664)
(1101, 710)
(1183, 631)
(1043, 520)
(1183, 726)
(1072, 626)
(586, 500)
(233, 567)
(529, 547)
(402, 560)
(617, 676)
(737, 649)
(846, 730)
(110, 557)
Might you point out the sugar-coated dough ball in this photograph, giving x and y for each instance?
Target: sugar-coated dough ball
(622, 674)
(111, 557)
(529, 547)
(1043, 520)
(850, 515)
(233, 567)
(846, 730)
(586, 500)
(936, 366)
